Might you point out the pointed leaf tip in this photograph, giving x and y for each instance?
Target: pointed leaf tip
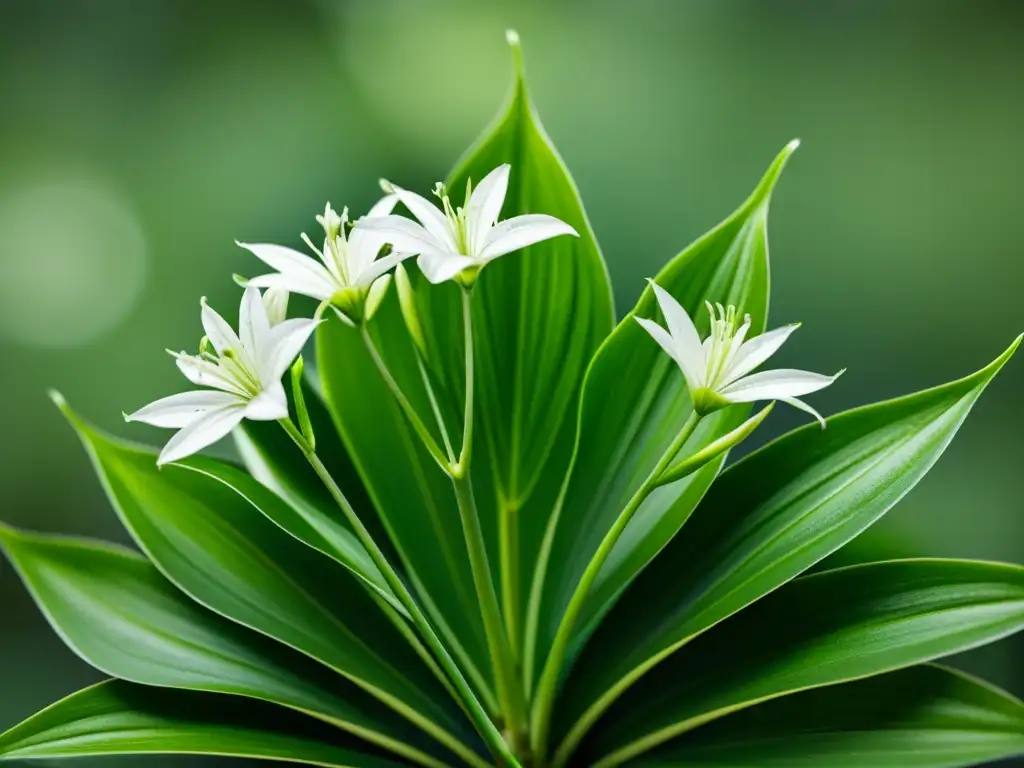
(57, 398)
(990, 370)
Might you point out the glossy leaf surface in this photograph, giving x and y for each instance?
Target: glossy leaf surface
(116, 611)
(922, 717)
(634, 404)
(768, 518)
(815, 631)
(119, 718)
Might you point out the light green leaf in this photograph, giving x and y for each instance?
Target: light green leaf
(115, 610)
(633, 405)
(222, 552)
(119, 718)
(539, 315)
(768, 518)
(922, 717)
(815, 631)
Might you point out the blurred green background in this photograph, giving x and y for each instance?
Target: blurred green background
(138, 139)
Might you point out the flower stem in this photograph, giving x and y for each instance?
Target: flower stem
(546, 687)
(495, 742)
(510, 693)
(403, 402)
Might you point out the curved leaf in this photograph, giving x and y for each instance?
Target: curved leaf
(119, 718)
(218, 549)
(768, 518)
(114, 609)
(633, 405)
(815, 631)
(922, 717)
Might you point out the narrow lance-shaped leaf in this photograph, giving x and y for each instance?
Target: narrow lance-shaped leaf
(815, 631)
(922, 717)
(633, 405)
(222, 552)
(767, 519)
(119, 718)
(115, 610)
(539, 315)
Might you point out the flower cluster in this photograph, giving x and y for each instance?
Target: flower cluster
(241, 377)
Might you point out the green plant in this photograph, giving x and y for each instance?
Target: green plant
(500, 530)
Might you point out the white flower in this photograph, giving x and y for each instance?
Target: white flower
(244, 376)
(718, 371)
(348, 272)
(451, 240)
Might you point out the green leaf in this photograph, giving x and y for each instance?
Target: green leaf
(633, 405)
(216, 547)
(768, 518)
(115, 610)
(539, 314)
(923, 717)
(816, 631)
(119, 718)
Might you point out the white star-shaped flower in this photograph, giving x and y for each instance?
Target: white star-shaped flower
(244, 376)
(718, 371)
(352, 272)
(454, 242)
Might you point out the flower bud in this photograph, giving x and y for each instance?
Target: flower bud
(407, 302)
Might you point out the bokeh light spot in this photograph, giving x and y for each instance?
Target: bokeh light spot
(73, 261)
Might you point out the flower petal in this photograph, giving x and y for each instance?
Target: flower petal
(305, 273)
(438, 267)
(320, 290)
(403, 234)
(689, 351)
(218, 330)
(429, 216)
(377, 268)
(384, 206)
(756, 351)
(484, 206)
(284, 345)
(180, 410)
(776, 385)
(269, 405)
(801, 405)
(253, 323)
(202, 432)
(665, 340)
(521, 231)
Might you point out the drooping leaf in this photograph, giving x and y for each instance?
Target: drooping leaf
(767, 519)
(218, 549)
(633, 405)
(120, 718)
(115, 610)
(922, 717)
(818, 630)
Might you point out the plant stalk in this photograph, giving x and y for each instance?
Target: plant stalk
(510, 694)
(546, 687)
(495, 742)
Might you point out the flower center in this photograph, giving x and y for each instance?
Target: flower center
(722, 343)
(456, 218)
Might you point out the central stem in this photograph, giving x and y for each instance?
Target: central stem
(510, 694)
(546, 688)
